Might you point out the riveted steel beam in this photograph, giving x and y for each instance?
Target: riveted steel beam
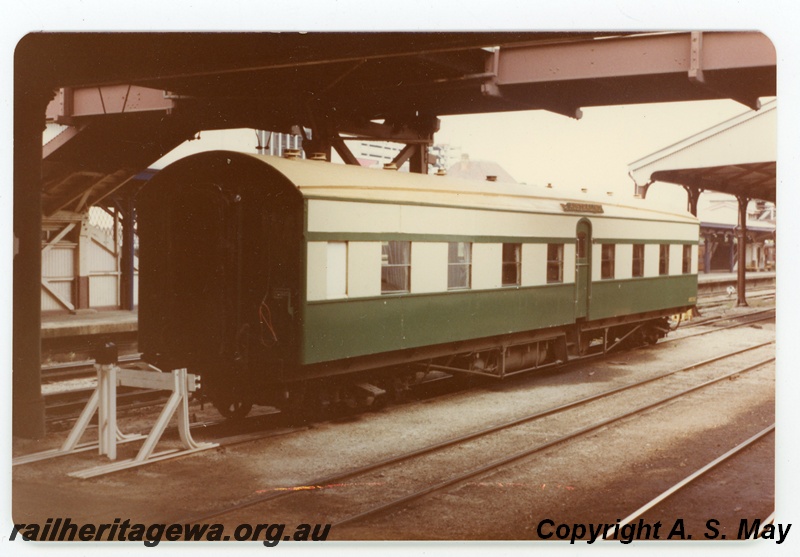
(658, 67)
(493, 90)
(70, 103)
(344, 151)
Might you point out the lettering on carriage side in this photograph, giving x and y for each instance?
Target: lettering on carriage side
(571, 207)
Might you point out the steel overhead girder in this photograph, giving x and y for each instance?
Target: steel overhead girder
(76, 102)
(637, 69)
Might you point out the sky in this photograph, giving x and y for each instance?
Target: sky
(539, 147)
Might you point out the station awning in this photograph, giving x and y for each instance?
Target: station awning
(735, 157)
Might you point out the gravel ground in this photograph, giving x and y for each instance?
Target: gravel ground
(598, 478)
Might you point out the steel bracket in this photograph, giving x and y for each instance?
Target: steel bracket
(104, 402)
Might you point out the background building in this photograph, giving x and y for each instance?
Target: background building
(719, 226)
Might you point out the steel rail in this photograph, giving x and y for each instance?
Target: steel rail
(707, 321)
(68, 409)
(717, 329)
(720, 299)
(494, 465)
(340, 476)
(85, 368)
(688, 479)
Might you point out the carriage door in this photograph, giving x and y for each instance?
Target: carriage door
(583, 268)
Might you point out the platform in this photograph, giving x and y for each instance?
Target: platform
(718, 283)
(89, 323)
(74, 338)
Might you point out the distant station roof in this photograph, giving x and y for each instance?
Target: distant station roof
(735, 157)
(721, 212)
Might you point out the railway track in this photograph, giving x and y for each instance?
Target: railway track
(717, 300)
(398, 501)
(405, 500)
(63, 371)
(748, 319)
(705, 321)
(65, 406)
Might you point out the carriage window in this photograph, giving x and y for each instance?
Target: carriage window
(555, 263)
(638, 260)
(395, 267)
(607, 253)
(459, 265)
(663, 259)
(511, 264)
(687, 259)
(337, 270)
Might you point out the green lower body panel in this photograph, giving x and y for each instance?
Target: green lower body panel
(614, 298)
(349, 328)
(340, 329)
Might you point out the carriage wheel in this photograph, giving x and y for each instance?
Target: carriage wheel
(234, 410)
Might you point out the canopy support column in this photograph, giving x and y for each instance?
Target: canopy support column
(128, 253)
(742, 252)
(30, 102)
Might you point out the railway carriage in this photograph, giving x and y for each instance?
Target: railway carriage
(279, 280)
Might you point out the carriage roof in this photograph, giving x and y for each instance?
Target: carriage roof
(319, 179)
